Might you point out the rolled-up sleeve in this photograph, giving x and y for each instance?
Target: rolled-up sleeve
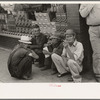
(85, 9)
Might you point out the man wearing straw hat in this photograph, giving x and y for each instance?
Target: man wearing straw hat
(20, 59)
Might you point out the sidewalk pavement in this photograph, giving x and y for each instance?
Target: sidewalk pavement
(38, 75)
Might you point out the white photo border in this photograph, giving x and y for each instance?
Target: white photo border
(50, 90)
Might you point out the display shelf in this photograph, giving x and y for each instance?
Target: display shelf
(13, 34)
(9, 35)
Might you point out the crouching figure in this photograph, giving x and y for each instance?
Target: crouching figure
(71, 58)
(20, 59)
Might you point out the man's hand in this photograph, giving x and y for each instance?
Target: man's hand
(46, 52)
(54, 50)
(30, 54)
(65, 59)
(45, 45)
(34, 55)
(65, 43)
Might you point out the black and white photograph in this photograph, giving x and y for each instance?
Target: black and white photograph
(49, 42)
(49, 50)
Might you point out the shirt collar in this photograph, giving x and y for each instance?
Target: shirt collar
(74, 44)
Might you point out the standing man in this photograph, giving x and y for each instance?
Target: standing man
(92, 14)
(38, 41)
(71, 58)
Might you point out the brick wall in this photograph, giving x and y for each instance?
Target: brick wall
(73, 18)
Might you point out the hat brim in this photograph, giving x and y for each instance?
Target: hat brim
(25, 42)
(54, 37)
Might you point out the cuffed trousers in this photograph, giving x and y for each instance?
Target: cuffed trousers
(94, 32)
(72, 67)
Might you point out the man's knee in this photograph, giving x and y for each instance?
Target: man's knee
(70, 62)
(55, 56)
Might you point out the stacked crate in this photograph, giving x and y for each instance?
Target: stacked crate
(61, 19)
(3, 21)
(23, 24)
(19, 25)
(11, 23)
(44, 23)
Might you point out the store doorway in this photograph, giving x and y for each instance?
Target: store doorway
(87, 63)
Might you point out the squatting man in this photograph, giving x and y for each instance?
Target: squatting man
(71, 58)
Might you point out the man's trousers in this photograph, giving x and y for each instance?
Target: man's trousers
(72, 66)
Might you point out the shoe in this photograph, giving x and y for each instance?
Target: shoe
(34, 55)
(54, 72)
(26, 77)
(70, 79)
(60, 75)
(45, 68)
(97, 79)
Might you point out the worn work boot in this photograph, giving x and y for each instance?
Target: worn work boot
(26, 77)
(61, 75)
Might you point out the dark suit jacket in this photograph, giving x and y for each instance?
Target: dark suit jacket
(38, 43)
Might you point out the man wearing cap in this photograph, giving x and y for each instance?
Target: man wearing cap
(20, 59)
(57, 42)
(38, 41)
(53, 43)
(92, 14)
(71, 58)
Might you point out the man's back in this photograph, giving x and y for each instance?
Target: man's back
(18, 55)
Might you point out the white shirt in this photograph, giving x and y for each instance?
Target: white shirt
(77, 51)
(46, 55)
